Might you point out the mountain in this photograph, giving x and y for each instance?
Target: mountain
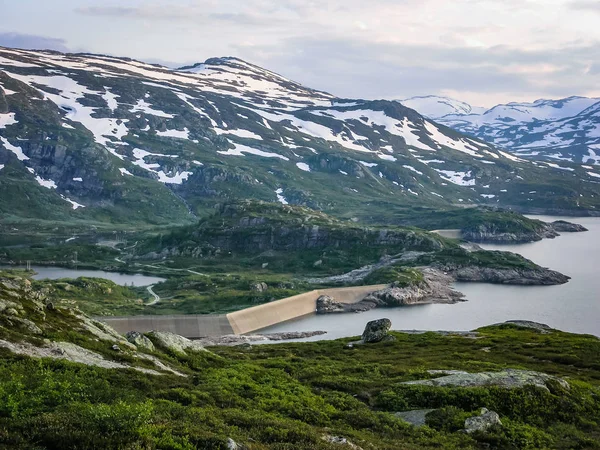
(435, 107)
(566, 130)
(99, 138)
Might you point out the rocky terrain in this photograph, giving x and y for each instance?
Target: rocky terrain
(497, 233)
(436, 287)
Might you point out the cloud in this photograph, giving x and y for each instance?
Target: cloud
(360, 69)
(30, 41)
(586, 5)
(196, 13)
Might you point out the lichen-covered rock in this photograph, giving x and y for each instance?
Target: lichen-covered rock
(376, 330)
(482, 422)
(173, 342)
(339, 440)
(509, 378)
(140, 341)
(259, 287)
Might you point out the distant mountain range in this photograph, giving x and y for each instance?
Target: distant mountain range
(94, 137)
(562, 130)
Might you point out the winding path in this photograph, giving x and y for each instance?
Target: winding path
(153, 294)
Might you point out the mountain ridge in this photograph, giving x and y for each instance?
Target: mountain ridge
(566, 129)
(105, 138)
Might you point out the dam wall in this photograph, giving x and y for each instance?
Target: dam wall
(187, 325)
(257, 317)
(244, 321)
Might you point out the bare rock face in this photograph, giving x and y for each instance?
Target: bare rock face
(327, 305)
(436, 287)
(140, 341)
(517, 276)
(173, 342)
(376, 331)
(483, 422)
(508, 379)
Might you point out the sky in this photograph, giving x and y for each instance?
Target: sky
(483, 52)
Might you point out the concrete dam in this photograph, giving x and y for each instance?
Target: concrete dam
(245, 321)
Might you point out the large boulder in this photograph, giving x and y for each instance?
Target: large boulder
(376, 331)
(140, 341)
(173, 342)
(328, 305)
(482, 422)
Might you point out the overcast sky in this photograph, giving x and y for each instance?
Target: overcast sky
(481, 51)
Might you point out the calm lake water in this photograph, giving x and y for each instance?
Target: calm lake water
(54, 273)
(574, 306)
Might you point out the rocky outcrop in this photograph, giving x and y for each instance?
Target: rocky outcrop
(327, 305)
(562, 226)
(491, 233)
(509, 378)
(483, 422)
(173, 342)
(245, 339)
(140, 341)
(436, 287)
(518, 276)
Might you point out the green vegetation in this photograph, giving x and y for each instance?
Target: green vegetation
(402, 276)
(460, 257)
(286, 396)
(290, 395)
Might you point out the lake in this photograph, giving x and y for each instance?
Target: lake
(122, 279)
(574, 306)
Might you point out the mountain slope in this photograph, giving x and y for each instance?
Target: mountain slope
(567, 129)
(435, 107)
(112, 139)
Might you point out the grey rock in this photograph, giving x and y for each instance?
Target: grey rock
(376, 330)
(416, 417)
(339, 440)
(436, 287)
(517, 276)
(140, 341)
(563, 226)
(327, 305)
(483, 422)
(174, 342)
(259, 287)
(508, 378)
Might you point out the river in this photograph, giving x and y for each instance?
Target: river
(122, 279)
(574, 306)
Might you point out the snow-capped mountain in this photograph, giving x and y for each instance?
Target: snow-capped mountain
(567, 129)
(435, 107)
(116, 139)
